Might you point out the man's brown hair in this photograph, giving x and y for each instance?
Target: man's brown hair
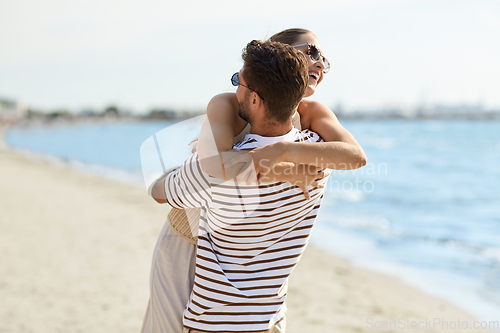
(278, 73)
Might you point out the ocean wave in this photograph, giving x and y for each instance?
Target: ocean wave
(336, 193)
(370, 223)
(382, 226)
(493, 253)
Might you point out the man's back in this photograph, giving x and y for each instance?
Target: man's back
(251, 238)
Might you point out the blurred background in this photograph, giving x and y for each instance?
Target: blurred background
(398, 55)
(416, 82)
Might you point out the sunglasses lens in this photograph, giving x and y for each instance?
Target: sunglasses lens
(327, 65)
(234, 80)
(314, 53)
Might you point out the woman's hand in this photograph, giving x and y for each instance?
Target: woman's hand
(258, 162)
(300, 175)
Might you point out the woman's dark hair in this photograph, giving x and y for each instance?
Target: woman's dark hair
(278, 73)
(290, 36)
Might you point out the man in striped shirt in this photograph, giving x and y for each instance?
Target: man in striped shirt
(251, 236)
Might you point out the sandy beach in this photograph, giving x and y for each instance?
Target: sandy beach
(76, 253)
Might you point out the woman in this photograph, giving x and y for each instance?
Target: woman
(172, 272)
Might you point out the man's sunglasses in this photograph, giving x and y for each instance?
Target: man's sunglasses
(236, 82)
(316, 55)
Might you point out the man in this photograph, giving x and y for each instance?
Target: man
(251, 236)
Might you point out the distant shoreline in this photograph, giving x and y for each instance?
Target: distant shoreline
(439, 117)
(465, 113)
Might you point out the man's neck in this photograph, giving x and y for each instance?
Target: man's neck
(271, 128)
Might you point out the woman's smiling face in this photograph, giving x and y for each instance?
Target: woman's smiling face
(315, 68)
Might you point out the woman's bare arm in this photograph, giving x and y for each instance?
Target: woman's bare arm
(217, 133)
(216, 136)
(223, 123)
(340, 150)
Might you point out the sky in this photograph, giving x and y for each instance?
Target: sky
(148, 54)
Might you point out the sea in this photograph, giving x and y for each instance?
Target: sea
(425, 208)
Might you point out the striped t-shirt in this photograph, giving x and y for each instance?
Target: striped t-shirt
(250, 239)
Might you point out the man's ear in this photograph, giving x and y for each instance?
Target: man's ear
(255, 100)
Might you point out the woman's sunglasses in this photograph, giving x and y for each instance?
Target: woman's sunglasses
(236, 82)
(316, 55)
